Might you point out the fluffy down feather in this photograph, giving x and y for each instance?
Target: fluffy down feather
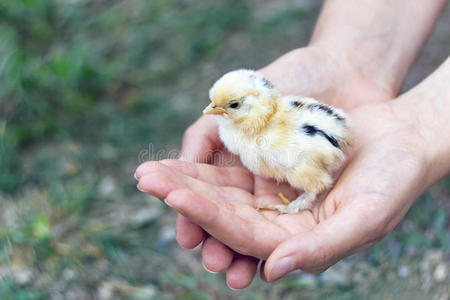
(288, 138)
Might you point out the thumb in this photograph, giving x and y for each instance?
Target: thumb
(316, 250)
(200, 141)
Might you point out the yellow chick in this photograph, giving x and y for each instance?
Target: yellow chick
(288, 138)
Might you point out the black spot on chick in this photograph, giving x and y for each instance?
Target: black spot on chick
(313, 130)
(309, 129)
(328, 110)
(297, 104)
(338, 117)
(318, 106)
(267, 83)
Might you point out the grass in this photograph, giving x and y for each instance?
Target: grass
(89, 89)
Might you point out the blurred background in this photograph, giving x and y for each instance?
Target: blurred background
(91, 88)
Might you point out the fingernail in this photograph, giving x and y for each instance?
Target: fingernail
(281, 267)
(139, 189)
(135, 177)
(233, 289)
(262, 274)
(208, 270)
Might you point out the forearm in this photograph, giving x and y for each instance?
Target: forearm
(426, 109)
(380, 39)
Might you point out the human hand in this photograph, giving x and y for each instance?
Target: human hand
(390, 166)
(371, 196)
(294, 73)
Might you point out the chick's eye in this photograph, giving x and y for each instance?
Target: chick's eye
(234, 105)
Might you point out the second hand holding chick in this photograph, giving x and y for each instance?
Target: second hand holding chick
(287, 138)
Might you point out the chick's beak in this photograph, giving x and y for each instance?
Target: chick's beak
(214, 110)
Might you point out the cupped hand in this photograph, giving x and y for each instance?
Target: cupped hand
(384, 176)
(307, 71)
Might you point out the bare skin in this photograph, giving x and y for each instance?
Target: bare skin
(351, 61)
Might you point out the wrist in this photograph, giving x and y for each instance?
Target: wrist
(320, 72)
(361, 70)
(426, 109)
(379, 42)
(357, 75)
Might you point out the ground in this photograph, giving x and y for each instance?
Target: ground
(89, 89)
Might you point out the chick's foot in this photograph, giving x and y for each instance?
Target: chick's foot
(303, 202)
(283, 199)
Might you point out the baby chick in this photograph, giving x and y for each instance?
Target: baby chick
(287, 138)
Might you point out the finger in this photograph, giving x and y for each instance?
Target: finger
(188, 234)
(237, 225)
(316, 250)
(160, 181)
(222, 176)
(164, 180)
(241, 272)
(216, 256)
(200, 140)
